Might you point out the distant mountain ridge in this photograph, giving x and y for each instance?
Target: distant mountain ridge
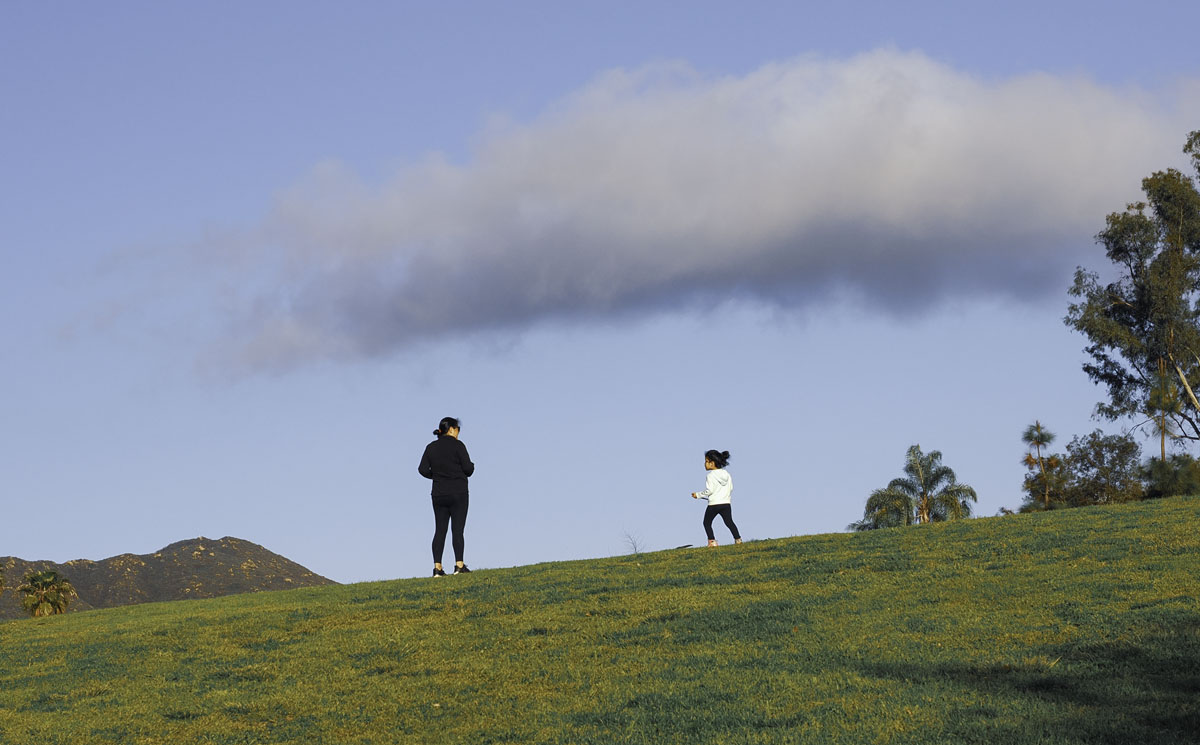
(194, 568)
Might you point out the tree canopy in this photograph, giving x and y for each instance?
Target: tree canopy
(1096, 469)
(1177, 474)
(1105, 469)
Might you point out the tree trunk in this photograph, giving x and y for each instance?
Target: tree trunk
(1045, 481)
(1162, 412)
(1186, 387)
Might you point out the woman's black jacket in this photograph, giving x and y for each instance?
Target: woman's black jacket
(446, 462)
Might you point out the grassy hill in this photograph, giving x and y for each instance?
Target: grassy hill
(1078, 626)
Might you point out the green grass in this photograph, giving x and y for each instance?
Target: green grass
(1077, 626)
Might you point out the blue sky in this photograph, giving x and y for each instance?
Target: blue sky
(253, 252)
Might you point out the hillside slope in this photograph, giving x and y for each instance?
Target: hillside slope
(195, 568)
(1077, 626)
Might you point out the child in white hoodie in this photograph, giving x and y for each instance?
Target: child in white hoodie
(718, 490)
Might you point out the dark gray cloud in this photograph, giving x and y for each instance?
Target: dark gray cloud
(887, 177)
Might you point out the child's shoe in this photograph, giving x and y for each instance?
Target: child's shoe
(712, 543)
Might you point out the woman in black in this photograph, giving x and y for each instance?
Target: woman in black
(446, 462)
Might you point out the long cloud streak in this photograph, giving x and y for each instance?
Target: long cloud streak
(888, 177)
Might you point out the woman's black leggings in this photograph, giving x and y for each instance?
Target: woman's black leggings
(726, 513)
(449, 511)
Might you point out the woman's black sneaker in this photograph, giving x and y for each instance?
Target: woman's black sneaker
(461, 569)
(438, 572)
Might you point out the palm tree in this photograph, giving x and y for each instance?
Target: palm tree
(46, 592)
(1037, 437)
(930, 492)
(886, 508)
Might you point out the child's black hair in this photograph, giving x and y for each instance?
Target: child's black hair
(447, 423)
(719, 459)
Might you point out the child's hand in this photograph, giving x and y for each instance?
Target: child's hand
(694, 495)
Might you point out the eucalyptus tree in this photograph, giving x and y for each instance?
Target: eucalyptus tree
(928, 492)
(1143, 326)
(46, 593)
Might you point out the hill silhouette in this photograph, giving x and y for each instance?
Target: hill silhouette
(194, 568)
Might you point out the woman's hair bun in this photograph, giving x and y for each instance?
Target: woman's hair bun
(447, 423)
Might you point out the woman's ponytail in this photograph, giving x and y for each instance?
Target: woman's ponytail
(719, 458)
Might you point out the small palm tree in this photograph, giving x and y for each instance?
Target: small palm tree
(1037, 437)
(929, 492)
(46, 593)
(1046, 482)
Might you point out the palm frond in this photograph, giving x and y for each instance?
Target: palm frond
(888, 507)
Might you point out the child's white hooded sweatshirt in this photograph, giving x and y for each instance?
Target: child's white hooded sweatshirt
(718, 487)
